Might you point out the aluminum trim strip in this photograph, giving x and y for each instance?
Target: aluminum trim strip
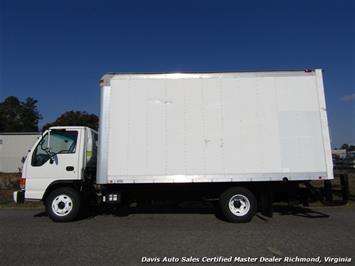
(102, 160)
(133, 179)
(324, 124)
(182, 75)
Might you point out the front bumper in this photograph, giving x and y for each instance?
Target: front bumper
(19, 196)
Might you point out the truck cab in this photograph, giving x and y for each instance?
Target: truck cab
(62, 157)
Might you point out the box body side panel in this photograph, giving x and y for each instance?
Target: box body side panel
(215, 129)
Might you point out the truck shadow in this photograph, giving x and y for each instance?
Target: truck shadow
(197, 207)
(165, 207)
(299, 211)
(188, 207)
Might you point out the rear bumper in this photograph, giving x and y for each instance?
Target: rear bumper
(19, 196)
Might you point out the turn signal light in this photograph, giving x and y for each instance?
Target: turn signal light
(22, 183)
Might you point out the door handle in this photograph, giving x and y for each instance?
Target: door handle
(70, 168)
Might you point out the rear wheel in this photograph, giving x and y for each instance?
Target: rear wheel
(63, 204)
(238, 205)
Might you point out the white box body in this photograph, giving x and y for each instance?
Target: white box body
(13, 147)
(213, 127)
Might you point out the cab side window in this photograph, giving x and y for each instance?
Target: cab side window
(63, 141)
(60, 142)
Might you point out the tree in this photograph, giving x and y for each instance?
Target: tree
(344, 147)
(75, 118)
(17, 116)
(348, 147)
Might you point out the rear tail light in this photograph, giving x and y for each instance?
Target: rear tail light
(309, 70)
(22, 183)
(101, 83)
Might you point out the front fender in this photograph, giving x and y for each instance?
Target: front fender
(37, 189)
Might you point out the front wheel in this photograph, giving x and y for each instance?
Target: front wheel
(63, 204)
(238, 205)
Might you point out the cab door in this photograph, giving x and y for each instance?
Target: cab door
(56, 157)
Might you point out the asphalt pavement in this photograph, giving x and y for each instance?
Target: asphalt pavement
(29, 237)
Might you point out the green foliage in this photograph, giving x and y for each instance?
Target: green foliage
(351, 148)
(17, 116)
(344, 146)
(348, 147)
(75, 118)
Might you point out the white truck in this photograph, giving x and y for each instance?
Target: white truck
(231, 137)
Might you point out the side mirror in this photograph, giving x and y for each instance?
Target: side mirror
(48, 148)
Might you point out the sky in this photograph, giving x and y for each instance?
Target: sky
(56, 51)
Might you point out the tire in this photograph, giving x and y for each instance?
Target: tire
(63, 204)
(238, 205)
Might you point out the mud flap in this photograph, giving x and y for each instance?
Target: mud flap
(266, 200)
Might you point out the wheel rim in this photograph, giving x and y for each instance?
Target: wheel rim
(62, 205)
(239, 205)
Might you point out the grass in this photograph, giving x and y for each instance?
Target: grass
(9, 182)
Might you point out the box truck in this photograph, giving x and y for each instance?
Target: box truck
(230, 137)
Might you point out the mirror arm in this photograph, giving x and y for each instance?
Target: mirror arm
(49, 139)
